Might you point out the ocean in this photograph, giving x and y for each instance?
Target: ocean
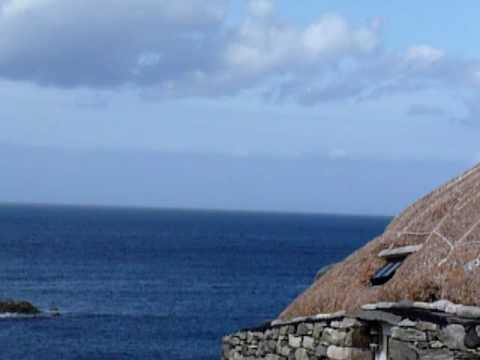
(157, 284)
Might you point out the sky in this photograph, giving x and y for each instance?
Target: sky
(318, 106)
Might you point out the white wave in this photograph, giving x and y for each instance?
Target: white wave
(25, 316)
(15, 316)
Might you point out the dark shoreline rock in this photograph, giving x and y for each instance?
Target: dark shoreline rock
(18, 307)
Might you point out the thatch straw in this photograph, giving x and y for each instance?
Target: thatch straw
(446, 223)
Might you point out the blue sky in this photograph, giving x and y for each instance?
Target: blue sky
(325, 86)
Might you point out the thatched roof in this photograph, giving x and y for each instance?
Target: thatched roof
(446, 223)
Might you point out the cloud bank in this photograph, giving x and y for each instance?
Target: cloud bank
(178, 49)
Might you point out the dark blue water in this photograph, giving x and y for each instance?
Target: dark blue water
(157, 284)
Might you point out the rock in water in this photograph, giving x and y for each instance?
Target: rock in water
(18, 307)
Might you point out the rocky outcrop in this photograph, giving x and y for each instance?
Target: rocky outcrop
(18, 307)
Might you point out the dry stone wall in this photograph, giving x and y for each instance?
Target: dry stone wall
(420, 332)
(334, 338)
(428, 341)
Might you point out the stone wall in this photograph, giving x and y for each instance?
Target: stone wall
(427, 341)
(329, 337)
(428, 331)
(414, 331)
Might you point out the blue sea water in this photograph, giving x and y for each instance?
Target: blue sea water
(157, 284)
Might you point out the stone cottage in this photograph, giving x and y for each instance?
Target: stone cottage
(411, 293)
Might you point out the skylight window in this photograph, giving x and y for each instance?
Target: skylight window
(394, 258)
(385, 273)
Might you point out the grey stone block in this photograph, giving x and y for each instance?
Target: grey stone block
(272, 345)
(287, 329)
(272, 357)
(346, 353)
(333, 336)
(301, 354)
(472, 338)
(467, 311)
(467, 356)
(308, 342)
(381, 316)
(346, 323)
(426, 326)
(437, 355)
(304, 329)
(407, 323)
(294, 341)
(321, 351)
(402, 351)
(437, 344)
(408, 334)
(318, 329)
(339, 353)
(453, 336)
(361, 354)
(283, 350)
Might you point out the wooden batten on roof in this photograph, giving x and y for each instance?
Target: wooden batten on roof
(400, 252)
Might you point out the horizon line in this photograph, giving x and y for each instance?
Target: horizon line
(186, 209)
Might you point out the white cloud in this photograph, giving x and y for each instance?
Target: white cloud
(182, 46)
(149, 59)
(69, 43)
(185, 48)
(180, 12)
(10, 8)
(332, 35)
(424, 54)
(258, 46)
(269, 46)
(260, 8)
